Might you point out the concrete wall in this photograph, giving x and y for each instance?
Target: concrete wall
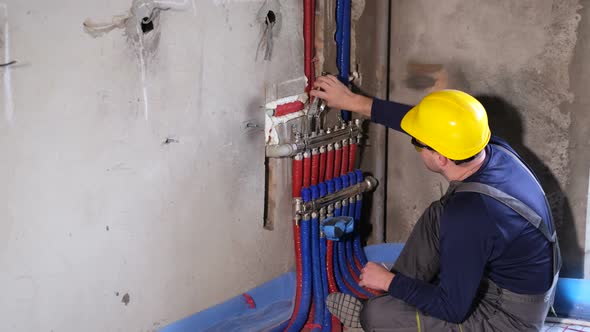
(115, 218)
(517, 57)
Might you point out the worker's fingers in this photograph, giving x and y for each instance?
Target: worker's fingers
(319, 94)
(323, 80)
(332, 78)
(362, 283)
(322, 85)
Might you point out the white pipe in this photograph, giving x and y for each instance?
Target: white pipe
(567, 321)
(171, 4)
(8, 101)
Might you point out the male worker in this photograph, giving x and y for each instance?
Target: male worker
(482, 258)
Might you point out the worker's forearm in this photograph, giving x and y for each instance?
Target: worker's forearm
(361, 105)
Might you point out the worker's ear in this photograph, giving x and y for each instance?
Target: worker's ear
(442, 160)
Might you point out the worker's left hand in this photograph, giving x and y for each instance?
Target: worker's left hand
(375, 276)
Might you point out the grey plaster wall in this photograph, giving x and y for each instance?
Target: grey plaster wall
(516, 56)
(120, 217)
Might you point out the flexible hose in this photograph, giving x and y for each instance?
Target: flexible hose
(299, 272)
(330, 163)
(327, 323)
(323, 156)
(355, 212)
(355, 271)
(301, 318)
(357, 246)
(315, 166)
(343, 8)
(337, 160)
(345, 159)
(344, 288)
(318, 290)
(352, 156)
(306, 169)
(297, 175)
(296, 192)
(308, 41)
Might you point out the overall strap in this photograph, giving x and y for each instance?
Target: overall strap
(518, 206)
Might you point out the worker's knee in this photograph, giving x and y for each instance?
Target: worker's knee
(372, 311)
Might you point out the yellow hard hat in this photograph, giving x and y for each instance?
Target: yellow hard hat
(451, 122)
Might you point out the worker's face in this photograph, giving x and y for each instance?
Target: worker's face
(430, 157)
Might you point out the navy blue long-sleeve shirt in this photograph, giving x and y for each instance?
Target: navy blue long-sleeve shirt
(479, 236)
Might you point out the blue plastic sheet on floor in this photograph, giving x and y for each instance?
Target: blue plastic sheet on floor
(272, 302)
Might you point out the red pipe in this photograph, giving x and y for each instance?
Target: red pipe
(337, 159)
(330, 163)
(297, 175)
(322, 164)
(308, 38)
(299, 269)
(289, 108)
(358, 264)
(315, 166)
(352, 156)
(306, 169)
(330, 266)
(344, 168)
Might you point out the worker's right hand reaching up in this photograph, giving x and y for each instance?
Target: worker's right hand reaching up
(338, 96)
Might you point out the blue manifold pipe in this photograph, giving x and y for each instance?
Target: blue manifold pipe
(337, 276)
(342, 37)
(357, 246)
(305, 301)
(327, 323)
(339, 254)
(350, 240)
(318, 290)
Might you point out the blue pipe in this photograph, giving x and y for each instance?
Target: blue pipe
(357, 246)
(348, 210)
(339, 250)
(337, 276)
(306, 282)
(346, 273)
(350, 240)
(342, 36)
(327, 323)
(318, 289)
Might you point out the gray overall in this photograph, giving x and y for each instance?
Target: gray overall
(496, 309)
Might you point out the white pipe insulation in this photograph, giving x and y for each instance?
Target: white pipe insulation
(171, 4)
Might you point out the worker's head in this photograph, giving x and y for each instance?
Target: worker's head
(448, 128)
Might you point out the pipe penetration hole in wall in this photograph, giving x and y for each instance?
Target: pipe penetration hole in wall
(271, 18)
(147, 25)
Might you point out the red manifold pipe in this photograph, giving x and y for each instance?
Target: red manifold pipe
(330, 163)
(322, 164)
(297, 175)
(344, 168)
(299, 269)
(315, 166)
(308, 37)
(337, 159)
(306, 169)
(352, 155)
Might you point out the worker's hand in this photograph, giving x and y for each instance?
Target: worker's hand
(375, 276)
(338, 96)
